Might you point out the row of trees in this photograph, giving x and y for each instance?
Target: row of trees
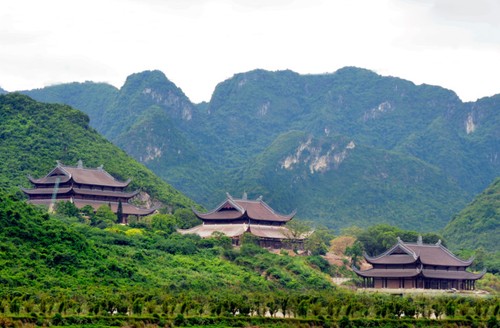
(277, 304)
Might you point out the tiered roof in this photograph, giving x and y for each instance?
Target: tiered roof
(428, 254)
(84, 186)
(233, 217)
(80, 191)
(80, 175)
(235, 230)
(430, 261)
(233, 209)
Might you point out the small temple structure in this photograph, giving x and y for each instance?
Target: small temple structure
(234, 217)
(84, 186)
(418, 265)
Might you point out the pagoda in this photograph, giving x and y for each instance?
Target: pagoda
(418, 265)
(234, 217)
(84, 186)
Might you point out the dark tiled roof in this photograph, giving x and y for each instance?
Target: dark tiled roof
(429, 254)
(389, 273)
(460, 275)
(437, 255)
(51, 180)
(236, 208)
(413, 272)
(79, 191)
(98, 176)
(46, 191)
(109, 193)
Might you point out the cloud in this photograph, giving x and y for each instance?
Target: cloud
(199, 43)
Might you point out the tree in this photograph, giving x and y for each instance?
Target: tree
(67, 208)
(355, 252)
(297, 230)
(318, 242)
(163, 222)
(119, 212)
(186, 218)
(103, 217)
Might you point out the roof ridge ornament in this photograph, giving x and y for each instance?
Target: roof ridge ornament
(245, 196)
(79, 164)
(399, 239)
(259, 198)
(438, 242)
(419, 240)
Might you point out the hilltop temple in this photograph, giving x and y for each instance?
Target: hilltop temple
(418, 265)
(84, 186)
(234, 217)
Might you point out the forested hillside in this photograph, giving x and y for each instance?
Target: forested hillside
(34, 135)
(477, 225)
(58, 270)
(351, 147)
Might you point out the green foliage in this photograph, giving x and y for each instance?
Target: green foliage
(415, 162)
(477, 225)
(81, 261)
(35, 135)
(355, 252)
(67, 208)
(104, 217)
(377, 239)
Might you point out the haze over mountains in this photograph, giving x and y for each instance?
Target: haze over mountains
(348, 148)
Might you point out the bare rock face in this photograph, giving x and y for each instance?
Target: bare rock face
(316, 157)
(143, 199)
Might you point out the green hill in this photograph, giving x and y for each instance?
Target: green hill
(340, 183)
(34, 135)
(478, 224)
(417, 145)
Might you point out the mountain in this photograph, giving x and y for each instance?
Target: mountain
(377, 149)
(89, 97)
(477, 225)
(328, 173)
(34, 135)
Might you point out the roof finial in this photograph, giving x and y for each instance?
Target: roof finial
(419, 240)
(100, 167)
(260, 198)
(245, 196)
(58, 162)
(439, 242)
(80, 164)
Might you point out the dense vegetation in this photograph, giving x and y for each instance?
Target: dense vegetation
(35, 135)
(419, 154)
(78, 267)
(477, 227)
(62, 270)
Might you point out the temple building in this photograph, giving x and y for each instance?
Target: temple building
(418, 265)
(84, 186)
(234, 217)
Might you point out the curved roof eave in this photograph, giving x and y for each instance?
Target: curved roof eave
(389, 251)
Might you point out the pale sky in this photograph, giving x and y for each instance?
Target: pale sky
(199, 43)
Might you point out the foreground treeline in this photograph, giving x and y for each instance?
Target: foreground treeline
(335, 308)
